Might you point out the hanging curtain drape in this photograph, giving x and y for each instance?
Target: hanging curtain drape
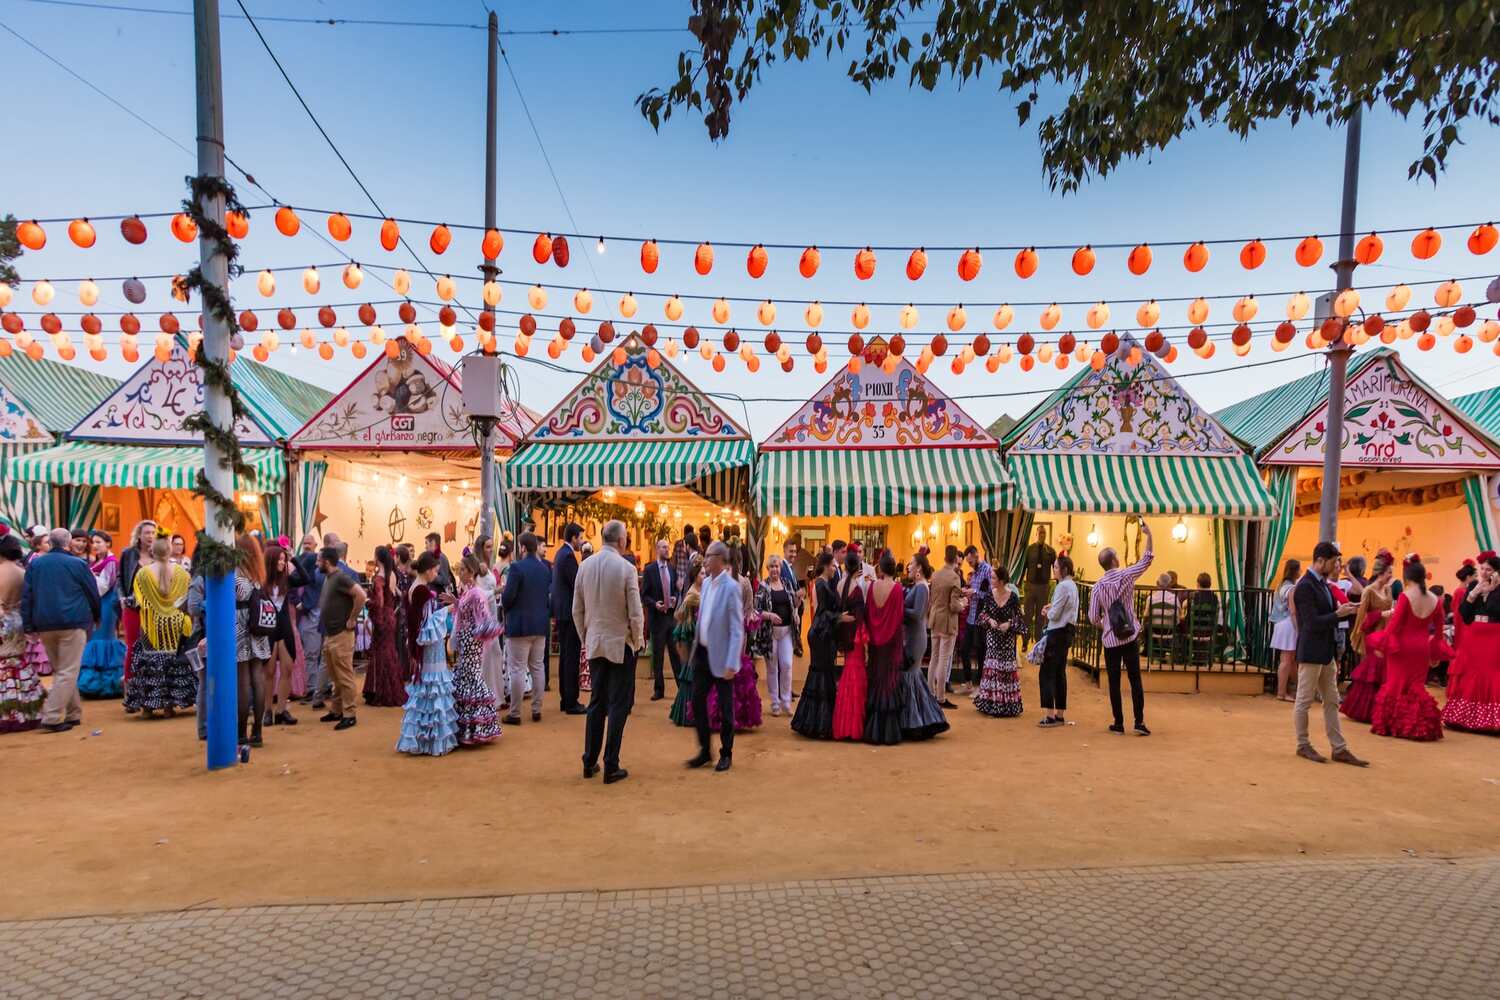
(1281, 483)
(310, 476)
(1229, 556)
(1004, 534)
(1477, 492)
(23, 503)
(270, 516)
(83, 507)
(756, 530)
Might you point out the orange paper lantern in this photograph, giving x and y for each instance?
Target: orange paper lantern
(440, 239)
(541, 248)
(969, 263)
(1083, 260)
(703, 258)
(650, 256)
(916, 264)
(1369, 249)
(1195, 257)
(287, 223)
(81, 232)
(237, 225)
(808, 265)
(1252, 255)
(31, 235)
(1426, 244)
(492, 244)
(1139, 261)
(756, 261)
(184, 228)
(339, 227)
(864, 264)
(1309, 251)
(1026, 262)
(1483, 239)
(390, 234)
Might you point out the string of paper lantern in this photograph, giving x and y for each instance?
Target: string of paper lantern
(554, 247)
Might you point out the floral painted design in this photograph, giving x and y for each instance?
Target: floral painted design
(902, 409)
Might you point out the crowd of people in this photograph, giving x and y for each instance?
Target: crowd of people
(461, 647)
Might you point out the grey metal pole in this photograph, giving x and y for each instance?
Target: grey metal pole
(491, 113)
(220, 675)
(1339, 352)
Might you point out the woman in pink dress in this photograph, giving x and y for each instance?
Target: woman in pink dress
(1411, 642)
(385, 680)
(849, 703)
(1359, 701)
(1474, 672)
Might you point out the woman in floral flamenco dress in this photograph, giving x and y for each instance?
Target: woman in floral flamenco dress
(683, 633)
(473, 626)
(1359, 701)
(21, 693)
(1411, 642)
(1474, 673)
(999, 694)
(429, 721)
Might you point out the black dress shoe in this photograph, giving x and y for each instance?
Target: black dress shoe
(589, 770)
(331, 717)
(945, 703)
(726, 761)
(54, 727)
(618, 774)
(576, 710)
(347, 722)
(704, 757)
(286, 719)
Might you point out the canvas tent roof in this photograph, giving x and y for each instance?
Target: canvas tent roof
(58, 395)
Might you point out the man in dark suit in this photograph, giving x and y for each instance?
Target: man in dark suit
(564, 573)
(1318, 616)
(525, 600)
(659, 597)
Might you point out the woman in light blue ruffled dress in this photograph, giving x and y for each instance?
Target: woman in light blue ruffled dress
(429, 721)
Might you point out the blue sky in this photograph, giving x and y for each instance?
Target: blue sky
(812, 158)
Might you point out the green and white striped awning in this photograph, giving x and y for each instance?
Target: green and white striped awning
(881, 482)
(715, 469)
(80, 463)
(1141, 484)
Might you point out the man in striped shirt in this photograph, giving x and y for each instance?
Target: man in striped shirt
(1118, 584)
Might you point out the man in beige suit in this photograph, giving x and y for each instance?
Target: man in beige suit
(611, 629)
(946, 605)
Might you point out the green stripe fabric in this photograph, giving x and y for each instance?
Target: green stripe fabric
(881, 483)
(310, 476)
(1141, 484)
(1281, 483)
(84, 505)
(24, 504)
(1229, 555)
(716, 470)
(138, 467)
(1261, 420)
(57, 394)
(1481, 513)
(1483, 408)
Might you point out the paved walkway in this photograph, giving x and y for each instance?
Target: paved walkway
(1365, 929)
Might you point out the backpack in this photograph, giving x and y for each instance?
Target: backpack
(264, 618)
(1119, 621)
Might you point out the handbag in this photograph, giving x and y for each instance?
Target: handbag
(264, 616)
(1038, 650)
(1119, 621)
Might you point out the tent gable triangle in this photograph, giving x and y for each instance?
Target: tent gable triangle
(635, 401)
(18, 424)
(875, 408)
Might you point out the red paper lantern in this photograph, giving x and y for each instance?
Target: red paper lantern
(787, 365)
(339, 227)
(808, 265)
(1252, 255)
(31, 235)
(898, 345)
(528, 324)
(1155, 340)
(407, 312)
(1027, 362)
(703, 258)
(814, 343)
(650, 256)
(1426, 244)
(287, 223)
(566, 329)
(248, 322)
(1419, 320)
(1109, 343)
(1374, 323)
(1462, 316)
(1066, 343)
(561, 254)
(1369, 249)
(1083, 260)
(492, 244)
(606, 332)
(93, 327)
(756, 261)
(367, 315)
(731, 341)
(1025, 343)
(690, 337)
(327, 316)
(1309, 251)
(1195, 257)
(1241, 335)
(446, 316)
(129, 325)
(981, 345)
(184, 228)
(13, 324)
(856, 344)
(1286, 331)
(51, 325)
(773, 342)
(286, 319)
(390, 234)
(1139, 261)
(168, 324)
(649, 335)
(237, 225)
(81, 232)
(1483, 239)
(440, 238)
(864, 264)
(939, 345)
(969, 263)
(916, 264)
(1197, 337)
(1026, 262)
(132, 229)
(541, 248)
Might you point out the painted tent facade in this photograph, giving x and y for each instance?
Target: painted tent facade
(1129, 440)
(131, 457)
(638, 424)
(39, 402)
(1419, 472)
(883, 457)
(393, 456)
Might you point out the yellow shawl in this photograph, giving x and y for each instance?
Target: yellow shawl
(163, 624)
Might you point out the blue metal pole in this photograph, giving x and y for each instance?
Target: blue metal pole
(221, 674)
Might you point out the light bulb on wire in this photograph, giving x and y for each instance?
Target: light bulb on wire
(600, 245)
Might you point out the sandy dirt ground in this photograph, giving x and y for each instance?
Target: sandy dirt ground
(129, 819)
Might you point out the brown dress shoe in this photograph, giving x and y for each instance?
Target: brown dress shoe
(1346, 756)
(1308, 753)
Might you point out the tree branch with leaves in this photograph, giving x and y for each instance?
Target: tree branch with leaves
(1113, 80)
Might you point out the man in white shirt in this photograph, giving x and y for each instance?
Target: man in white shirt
(717, 645)
(606, 609)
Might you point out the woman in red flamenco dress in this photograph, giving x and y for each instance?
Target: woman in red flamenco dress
(1412, 640)
(1474, 672)
(1358, 702)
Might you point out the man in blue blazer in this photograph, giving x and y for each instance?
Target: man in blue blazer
(1318, 616)
(564, 573)
(716, 653)
(528, 583)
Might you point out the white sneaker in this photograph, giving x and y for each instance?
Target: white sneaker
(775, 710)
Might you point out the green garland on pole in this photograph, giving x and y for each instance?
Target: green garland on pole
(216, 557)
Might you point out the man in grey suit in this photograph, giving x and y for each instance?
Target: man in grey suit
(606, 607)
(716, 654)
